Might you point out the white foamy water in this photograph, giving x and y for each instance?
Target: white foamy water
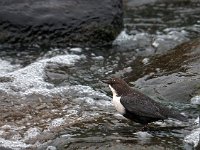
(16, 145)
(139, 39)
(31, 78)
(195, 100)
(172, 35)
(6, 67)
(76, 49)
(193, 138)
(161, 41)
(197, 121)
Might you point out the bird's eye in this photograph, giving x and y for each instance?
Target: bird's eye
(113, 80)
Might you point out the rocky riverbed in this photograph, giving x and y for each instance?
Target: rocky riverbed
(53, 98)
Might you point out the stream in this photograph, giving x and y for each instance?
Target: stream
(53, 98)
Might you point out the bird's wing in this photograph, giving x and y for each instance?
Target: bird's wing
(142, 106)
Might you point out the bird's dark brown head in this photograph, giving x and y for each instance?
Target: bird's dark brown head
(119, 85)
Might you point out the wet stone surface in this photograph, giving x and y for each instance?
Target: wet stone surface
(176, 77)
(59, 23)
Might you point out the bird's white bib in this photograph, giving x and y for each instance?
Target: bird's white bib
(116, 101)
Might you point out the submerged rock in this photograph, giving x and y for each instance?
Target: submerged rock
(60, 22)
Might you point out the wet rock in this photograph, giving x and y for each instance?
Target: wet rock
(6, 79)
(60, 22)
(56, 73)
(178, 77)
(3, 148)
(134, 3)
(103, 144)
(41, 106)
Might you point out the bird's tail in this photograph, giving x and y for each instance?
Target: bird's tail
(176, 115)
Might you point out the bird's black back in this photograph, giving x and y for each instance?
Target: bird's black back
(142, 109)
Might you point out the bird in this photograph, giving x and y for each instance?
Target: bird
(138, 107)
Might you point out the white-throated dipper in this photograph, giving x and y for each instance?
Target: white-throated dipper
(138, 107)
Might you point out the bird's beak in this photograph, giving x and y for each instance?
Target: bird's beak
(106, 81)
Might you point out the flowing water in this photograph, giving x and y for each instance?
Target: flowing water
(54, 96)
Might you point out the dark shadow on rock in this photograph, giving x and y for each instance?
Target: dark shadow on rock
(198, 146)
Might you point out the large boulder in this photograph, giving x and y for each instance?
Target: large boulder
(175, 75)
(60, 22)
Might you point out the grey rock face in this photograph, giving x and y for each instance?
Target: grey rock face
(178, 75)
(62, 22)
